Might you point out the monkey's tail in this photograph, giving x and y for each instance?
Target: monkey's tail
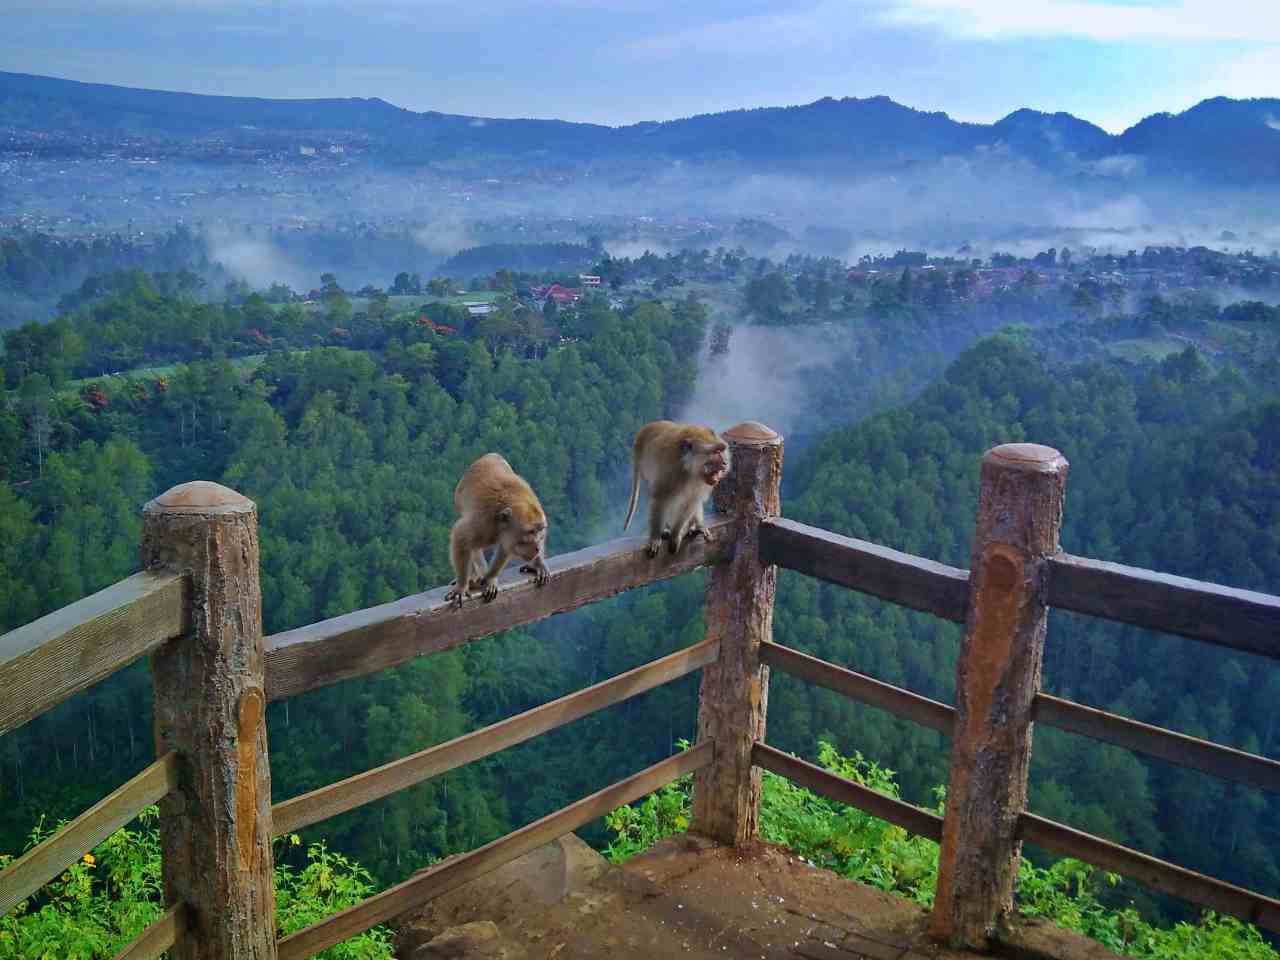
(635, 494)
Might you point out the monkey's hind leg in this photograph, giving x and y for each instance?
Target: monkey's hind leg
(659, 529)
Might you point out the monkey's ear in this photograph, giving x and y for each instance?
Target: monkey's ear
(504, 515)
(686, 446)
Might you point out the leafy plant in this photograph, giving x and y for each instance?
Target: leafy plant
(111, 895)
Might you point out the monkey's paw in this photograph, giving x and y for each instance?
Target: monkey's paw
(455, 599)
(653, 548)
(702, 532)
(490, 592)
(540, 574)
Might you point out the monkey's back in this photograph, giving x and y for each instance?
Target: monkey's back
(490, 482)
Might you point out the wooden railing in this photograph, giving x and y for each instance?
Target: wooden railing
(197, 611)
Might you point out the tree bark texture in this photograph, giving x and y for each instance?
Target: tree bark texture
(998, 675)
(733, 700)
(215, 829)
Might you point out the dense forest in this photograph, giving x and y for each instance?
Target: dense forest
(350, 442)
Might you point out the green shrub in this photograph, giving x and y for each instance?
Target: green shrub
(109, 896)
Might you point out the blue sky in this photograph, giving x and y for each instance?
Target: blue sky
(620, 61)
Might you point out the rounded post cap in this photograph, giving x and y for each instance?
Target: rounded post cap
(200, 496)
(751, 432)
(1028, 457)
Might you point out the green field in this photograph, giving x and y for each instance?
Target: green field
(246, 364)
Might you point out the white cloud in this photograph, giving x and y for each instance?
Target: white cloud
(1193, 20)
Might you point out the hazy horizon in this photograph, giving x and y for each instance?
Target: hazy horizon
(1111, 62)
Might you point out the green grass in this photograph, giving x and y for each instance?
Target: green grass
(247, 364)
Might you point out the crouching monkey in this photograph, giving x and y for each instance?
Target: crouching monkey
(496, 508)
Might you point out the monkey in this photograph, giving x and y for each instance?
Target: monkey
(680, 463)
(496, 508)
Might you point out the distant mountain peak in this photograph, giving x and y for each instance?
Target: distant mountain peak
(1218, 140)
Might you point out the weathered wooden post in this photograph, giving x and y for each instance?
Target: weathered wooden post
(997, 678)
(215, 830)
(734, 696)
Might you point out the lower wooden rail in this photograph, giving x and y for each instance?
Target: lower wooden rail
(453, 873)
(860, 687)
(1247, 768)
(1158, 874)
(325, 802)
(157, 938)
(46, 860)
(905, 815)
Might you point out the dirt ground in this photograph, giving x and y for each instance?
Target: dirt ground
(687, 897)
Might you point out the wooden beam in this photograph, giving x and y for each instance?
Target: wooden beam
(860, 687)
(46, 860)
(62, 653)
(910, 818)
(456, 871)
(309, 808)
(1239, 619)
(152, 942)
(1247, 768)
(900, 578)
(210, 706)
(1020, 501)
(1158, 874)
(733, 698)
(376, 638)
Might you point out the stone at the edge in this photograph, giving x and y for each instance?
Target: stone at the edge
(542, 876)
(467, 940)
(200, 496)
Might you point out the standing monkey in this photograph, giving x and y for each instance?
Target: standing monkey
(496, 507)
(680, 463)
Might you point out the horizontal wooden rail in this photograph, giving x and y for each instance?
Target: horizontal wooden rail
(900, 578)
(345, 795)
(1247, 768)
(46, 860)
(910, 818)
(157, 938)
(860, 687)
(375, 638)
(48, 660)
(1157, 874)
(1240, 619)
(454, 872)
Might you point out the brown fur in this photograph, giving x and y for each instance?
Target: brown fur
(680, 463)
(496, 508)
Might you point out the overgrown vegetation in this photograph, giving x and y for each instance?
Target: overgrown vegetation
(108, 897)
(858, 846)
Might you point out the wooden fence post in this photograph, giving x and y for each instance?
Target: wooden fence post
(997, 678)
(215, 830)
(734, 696)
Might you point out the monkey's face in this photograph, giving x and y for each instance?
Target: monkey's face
(716, 464)
(529, 537)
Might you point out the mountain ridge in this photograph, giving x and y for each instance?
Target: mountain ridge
(1220, 139)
